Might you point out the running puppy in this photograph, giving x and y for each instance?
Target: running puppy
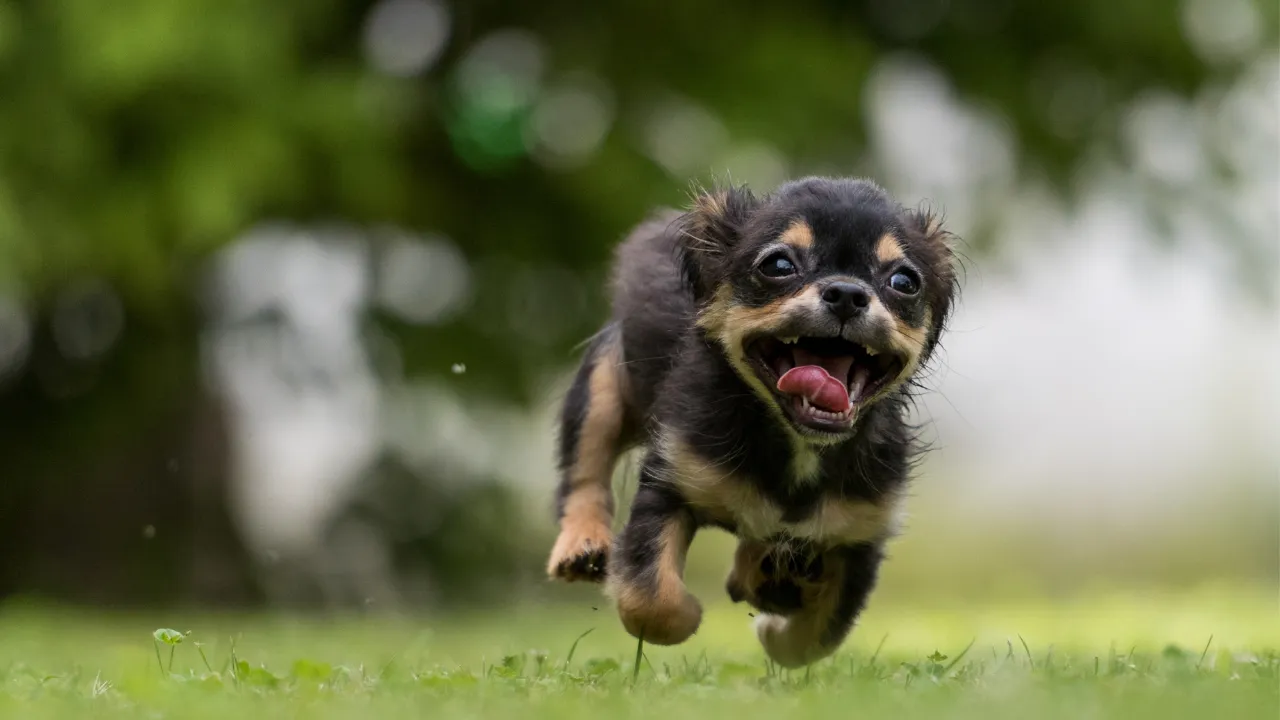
(762, 349)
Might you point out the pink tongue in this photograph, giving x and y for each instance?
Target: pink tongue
(815, 383)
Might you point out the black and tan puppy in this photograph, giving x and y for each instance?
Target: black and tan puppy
(762, 349)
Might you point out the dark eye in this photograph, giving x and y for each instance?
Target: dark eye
(777, 265)
(905, 281)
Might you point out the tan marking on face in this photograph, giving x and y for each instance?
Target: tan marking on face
(718, 493)
(910, 342)
(888, 249)
(911, 339)
(663, 613)
(731, 324)
(798, 235)
(586, 522)
(904, 339)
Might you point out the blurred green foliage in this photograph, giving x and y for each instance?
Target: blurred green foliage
(138, 137)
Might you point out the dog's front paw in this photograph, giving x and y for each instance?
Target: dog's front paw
(776, 578)
(581, 552)
(665, 618)
(791, 642)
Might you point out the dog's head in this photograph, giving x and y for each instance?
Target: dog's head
(825, 296)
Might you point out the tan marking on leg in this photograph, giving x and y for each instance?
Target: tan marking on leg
(796, 640)
(584, 530)
(745, 575)
(798, 235)
(659, 608)
(585, 525)
(888, 249)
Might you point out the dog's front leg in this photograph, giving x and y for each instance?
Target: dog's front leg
(646, 574)
(818, 627)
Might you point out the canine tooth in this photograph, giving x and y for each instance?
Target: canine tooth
(804, 402)
(872, 351)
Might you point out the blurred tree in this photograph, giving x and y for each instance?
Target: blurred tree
(139, 136)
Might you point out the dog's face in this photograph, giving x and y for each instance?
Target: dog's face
(825, 296)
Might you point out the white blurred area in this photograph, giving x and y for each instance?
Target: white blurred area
(1095, 372)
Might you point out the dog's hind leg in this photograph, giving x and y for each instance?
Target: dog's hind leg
(591, 427)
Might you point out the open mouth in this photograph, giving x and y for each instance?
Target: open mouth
(823, 380)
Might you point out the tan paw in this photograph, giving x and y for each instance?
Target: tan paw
(791, 642)
(658, 620)
(778, 579)
(581, 552)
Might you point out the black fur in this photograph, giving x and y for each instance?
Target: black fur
(681, 382)
(861, 567)
(654, 507)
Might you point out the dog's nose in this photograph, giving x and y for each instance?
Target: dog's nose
(846, 299)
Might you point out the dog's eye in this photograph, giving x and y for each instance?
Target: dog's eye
(905, 281)
(777, 265)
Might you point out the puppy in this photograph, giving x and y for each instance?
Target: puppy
(763, 350)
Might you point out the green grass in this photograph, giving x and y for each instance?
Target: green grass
(1209, 655)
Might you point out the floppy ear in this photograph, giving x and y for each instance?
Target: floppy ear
(708, 232)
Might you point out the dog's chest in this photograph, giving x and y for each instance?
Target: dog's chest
(728, 499)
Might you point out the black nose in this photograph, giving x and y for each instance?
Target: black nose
(846, 299)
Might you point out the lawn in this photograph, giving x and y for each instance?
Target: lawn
(1202, 655)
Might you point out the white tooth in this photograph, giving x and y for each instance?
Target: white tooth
(804, 402)
(871, 351)
(790, 340)
(859, 380)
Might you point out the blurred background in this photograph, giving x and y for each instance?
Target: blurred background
(289, 290)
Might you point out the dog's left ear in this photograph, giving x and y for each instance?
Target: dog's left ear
(928, 225)
(935, 241)
(708, 232)
(935, 246)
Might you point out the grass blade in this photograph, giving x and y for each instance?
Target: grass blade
(635, 672)
(1204, 653)
(879, 647)
(574, 647)
(1028, 650)
(957, 658)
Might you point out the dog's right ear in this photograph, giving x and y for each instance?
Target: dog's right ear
(708, 233)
